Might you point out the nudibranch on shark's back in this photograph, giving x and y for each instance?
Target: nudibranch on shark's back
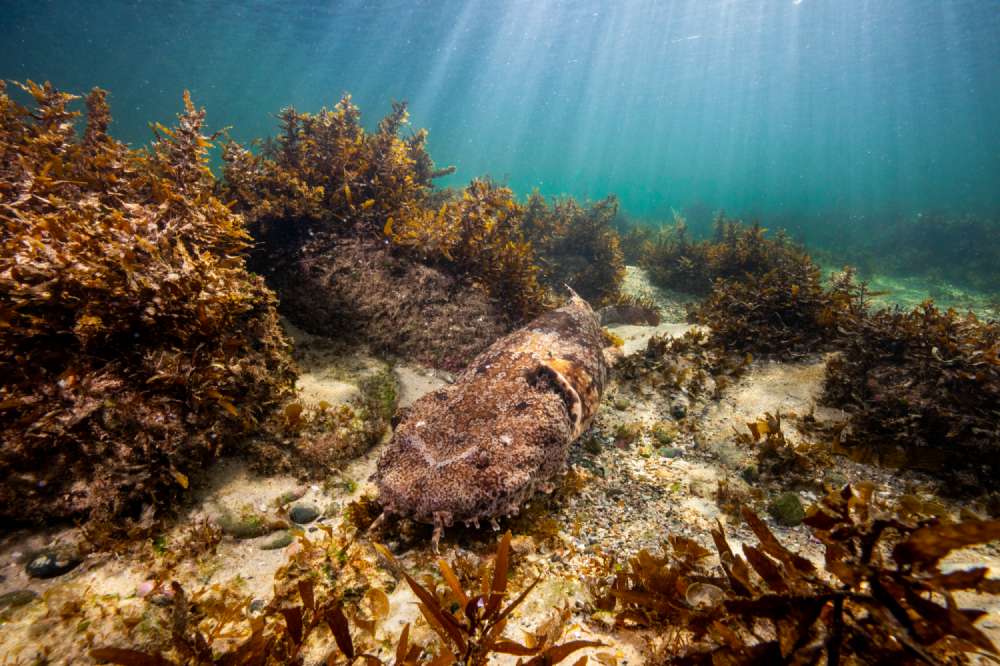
(481, 447)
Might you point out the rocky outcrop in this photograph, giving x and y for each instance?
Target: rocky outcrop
(360, 288)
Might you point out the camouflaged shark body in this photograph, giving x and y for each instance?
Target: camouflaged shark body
(481, 447)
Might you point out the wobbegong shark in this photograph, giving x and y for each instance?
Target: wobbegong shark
(480, 448)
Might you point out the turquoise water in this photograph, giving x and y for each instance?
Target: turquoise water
(813, 114)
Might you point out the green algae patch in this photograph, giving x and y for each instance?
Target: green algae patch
(787, 509)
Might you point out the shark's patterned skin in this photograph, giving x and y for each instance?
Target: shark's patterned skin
(481, 447)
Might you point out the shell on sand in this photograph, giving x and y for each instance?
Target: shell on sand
(481, 447)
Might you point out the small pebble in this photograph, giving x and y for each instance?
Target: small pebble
(16, 598)
(257, 605)
(49, 564)
(279, 541)
(163, 600)
(622, 403)
(303, 514)
(787, 509)
(592, 444)
(669, 452)
(290, 496)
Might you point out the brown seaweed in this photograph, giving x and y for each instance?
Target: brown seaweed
(325, 178)
(213, 627)
(880, 597)
(923, 389)
(134, 344)
(735, 252)
(471, 623)
(577, 246)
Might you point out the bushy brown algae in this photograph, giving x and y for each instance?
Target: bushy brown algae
(691, 364)
(923, 390)
(325, 174)
(577, 246)
(921, 387)
(735, 251)
(881, 596)
(317, 611)
(480, 237)
(786, 312)
(634, 239)
(134, 344)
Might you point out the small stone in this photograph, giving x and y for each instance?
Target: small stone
(678, 410)
(834, 480)
(257, 605)
(523, 545)
(592, 444)
(622, 403)
(303, 514)
(787, 509)
(49, 564)
(290, 496)
(664, 434)
(248, 526)
(16, 599)
(645, 451)
(627, 434)
(279, 541)
(669, 452)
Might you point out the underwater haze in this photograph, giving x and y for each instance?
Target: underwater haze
(804, 112)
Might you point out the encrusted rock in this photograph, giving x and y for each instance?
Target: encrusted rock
(787, 509)
(303, 514)
(49, 564)
(16, 598)
(636, 315)
(280, 541)
(480, 448)
(360, 288)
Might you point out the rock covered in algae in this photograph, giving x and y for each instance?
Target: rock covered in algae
(481, 447)
(360, 288)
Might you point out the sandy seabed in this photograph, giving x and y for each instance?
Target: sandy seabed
(625, 499)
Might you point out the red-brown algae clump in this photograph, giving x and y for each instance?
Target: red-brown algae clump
(480, 448)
